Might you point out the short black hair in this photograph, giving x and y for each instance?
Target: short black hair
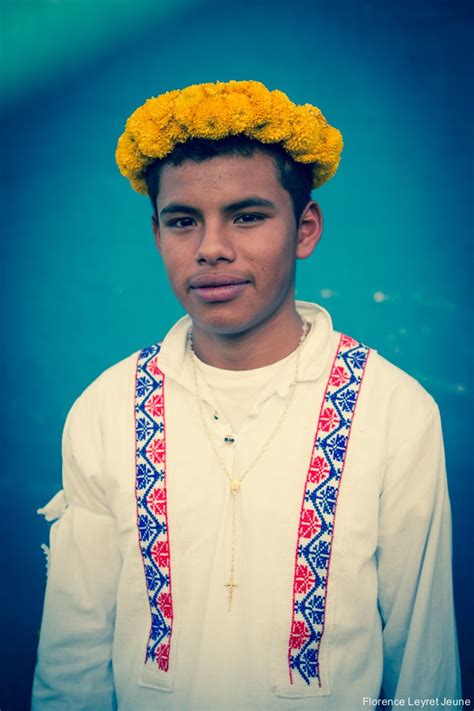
(296, 178)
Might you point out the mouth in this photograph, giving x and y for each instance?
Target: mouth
(218, 287)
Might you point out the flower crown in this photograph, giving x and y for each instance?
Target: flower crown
(215, 111)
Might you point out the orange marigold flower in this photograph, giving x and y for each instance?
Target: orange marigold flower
(217, 110)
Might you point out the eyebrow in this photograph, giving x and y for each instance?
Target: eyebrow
(250, 201)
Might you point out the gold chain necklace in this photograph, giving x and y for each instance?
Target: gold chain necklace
(236, 483)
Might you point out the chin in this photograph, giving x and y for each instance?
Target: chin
(221, 322)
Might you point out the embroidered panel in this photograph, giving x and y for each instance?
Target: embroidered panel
(318, 509)
(152, 519)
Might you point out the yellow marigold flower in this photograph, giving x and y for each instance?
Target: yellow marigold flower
(305, 134)
(139, 185)
(217, 110)
(240, 112)
(153, 127)
(279, 127)
(211, 120)
(128, 155)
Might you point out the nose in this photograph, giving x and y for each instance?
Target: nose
(215, 244)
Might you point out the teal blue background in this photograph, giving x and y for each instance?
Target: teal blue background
(84, 286)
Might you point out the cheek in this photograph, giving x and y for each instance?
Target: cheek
(175, 261)
(275, 266)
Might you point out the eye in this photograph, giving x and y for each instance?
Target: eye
(249, 217)
(181, 222)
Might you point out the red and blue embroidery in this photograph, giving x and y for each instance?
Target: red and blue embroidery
(152, 518)
(318, 509)
(317, 516)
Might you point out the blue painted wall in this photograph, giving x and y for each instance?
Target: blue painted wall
(84, 286)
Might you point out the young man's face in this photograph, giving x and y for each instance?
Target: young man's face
(228, 238)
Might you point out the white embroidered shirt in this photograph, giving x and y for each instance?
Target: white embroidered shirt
(387, 599)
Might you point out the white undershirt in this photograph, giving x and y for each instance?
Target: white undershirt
(237, 391)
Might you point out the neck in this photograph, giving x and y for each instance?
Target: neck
(256, 347)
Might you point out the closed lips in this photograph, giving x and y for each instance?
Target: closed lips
(216, 281)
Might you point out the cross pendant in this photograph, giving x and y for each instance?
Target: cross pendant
(230, 585)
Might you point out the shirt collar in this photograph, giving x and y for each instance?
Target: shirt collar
(174, 360)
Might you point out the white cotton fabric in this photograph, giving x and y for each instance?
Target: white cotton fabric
(389, 607)
(237, 392)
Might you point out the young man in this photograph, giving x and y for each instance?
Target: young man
(198, 561)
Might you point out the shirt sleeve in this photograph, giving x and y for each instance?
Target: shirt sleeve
(74, 664)
(414, 568)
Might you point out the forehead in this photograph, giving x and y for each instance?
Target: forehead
(222, 178)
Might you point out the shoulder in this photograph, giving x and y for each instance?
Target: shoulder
(387, 380)
(401, 391)
(113, 387)
(393, 404)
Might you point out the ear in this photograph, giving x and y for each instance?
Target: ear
(156, 231)
(310, 230)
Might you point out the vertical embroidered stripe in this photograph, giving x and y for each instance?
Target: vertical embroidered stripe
(318, 509)
(152, 517)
